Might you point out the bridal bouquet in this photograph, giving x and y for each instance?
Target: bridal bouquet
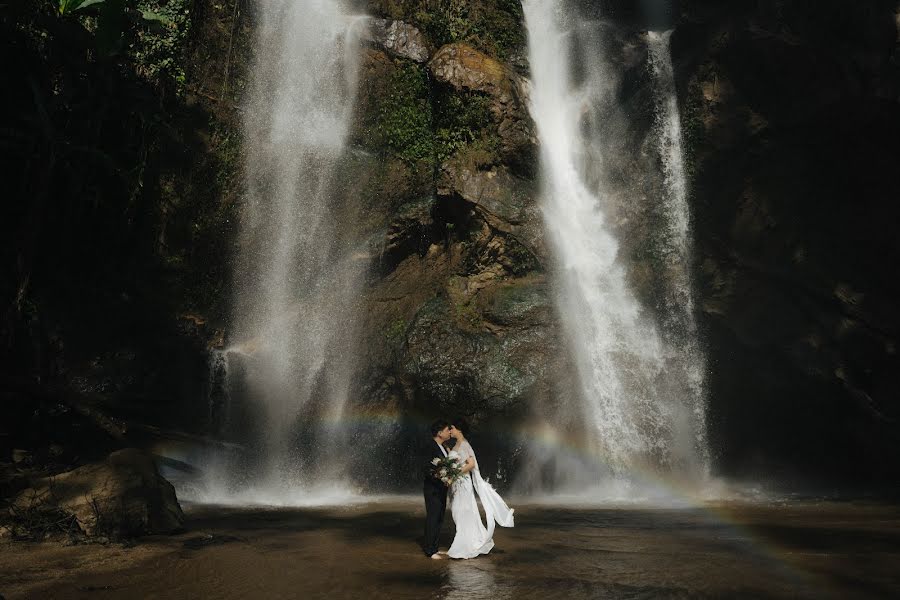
(447, 469)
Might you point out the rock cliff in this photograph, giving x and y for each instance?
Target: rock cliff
(118, 242)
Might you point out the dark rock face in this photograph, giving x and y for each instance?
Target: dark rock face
(504, 201)
(790, 119)
(458, 312)
(121, 496)
(484, 353)
(792, 122)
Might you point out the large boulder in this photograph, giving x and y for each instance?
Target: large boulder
(467, 69)
(398, 38)
(123, 495)
(484, 348)
(505, 202)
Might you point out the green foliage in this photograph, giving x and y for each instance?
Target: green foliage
(67, 7)
(205, 207)
(415, 125)
(158, 50)
(228, 143)
(463, 120)
(403, 124)
(153, 30)
(466, 314)
(395, 331)
(153, 33)
(494, 27)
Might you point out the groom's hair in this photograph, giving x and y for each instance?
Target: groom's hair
(438, 426)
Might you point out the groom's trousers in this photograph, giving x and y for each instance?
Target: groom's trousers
(435, 505)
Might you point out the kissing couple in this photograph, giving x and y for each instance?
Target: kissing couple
(457, 471)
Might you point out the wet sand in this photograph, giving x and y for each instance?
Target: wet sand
(811, 550)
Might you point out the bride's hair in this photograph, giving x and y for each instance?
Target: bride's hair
(463, 425)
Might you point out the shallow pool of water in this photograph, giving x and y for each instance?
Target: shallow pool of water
(784, 550)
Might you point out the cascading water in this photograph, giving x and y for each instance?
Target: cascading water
(638, 415)
(217, 391)
(678, 322)
(296, 280)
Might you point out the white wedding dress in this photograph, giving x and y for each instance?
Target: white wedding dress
(472, 537)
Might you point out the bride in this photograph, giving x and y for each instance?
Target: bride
(472, 538)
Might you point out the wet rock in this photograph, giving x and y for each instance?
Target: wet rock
(123, 495)
(494, 191)
(790, 138)
(506, 202)
(465, 68)
(20, 456)
(465, 364)
(412, 230)
(398, 38)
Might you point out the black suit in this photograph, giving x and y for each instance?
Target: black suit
(435, 499)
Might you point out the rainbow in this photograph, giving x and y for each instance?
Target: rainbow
(713, 501)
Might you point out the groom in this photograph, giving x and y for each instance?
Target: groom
(434, 489)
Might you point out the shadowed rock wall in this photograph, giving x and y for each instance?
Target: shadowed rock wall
(792, 122)
(121, 230)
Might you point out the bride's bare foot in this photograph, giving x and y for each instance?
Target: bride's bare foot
(437, 556)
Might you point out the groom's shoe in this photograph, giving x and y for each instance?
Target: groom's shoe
(437, 556)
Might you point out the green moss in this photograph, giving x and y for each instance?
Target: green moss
(463, 120)
(493, 26)
(516, 300)
(403, 122)
(467, 315)
(395, 331)
(158, 48)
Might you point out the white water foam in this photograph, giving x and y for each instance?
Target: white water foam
(678, 321)
(295, 283)
(637, 421)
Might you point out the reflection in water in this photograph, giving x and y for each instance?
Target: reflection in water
(789, 549)
(474, 580)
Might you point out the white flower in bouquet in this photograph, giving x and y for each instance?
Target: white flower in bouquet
(453, 454)
(436, 461)
(443, 472)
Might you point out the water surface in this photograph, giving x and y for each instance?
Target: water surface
(790, 550)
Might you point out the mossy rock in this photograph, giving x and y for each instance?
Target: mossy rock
(519, 302)
(495, 27)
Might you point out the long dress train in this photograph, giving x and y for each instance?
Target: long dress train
(472, 537)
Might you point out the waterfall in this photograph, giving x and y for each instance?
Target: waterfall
(217, 393)
(678, 321)
(296, 281)
(635, 417)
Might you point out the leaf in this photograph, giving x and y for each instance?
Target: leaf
(149, 15)
(67, 7)
(86, 3)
